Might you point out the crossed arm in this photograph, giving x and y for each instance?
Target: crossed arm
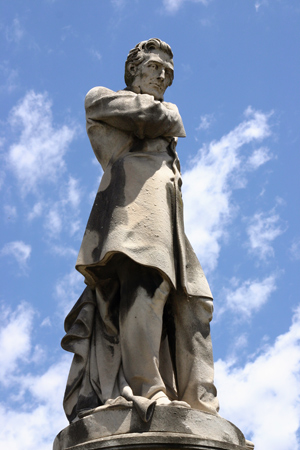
(140, 114)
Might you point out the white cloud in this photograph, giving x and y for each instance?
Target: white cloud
(38, 156)
(46, 322)
(240, 342)
(19, 251)
(39, 419)
(295, 250)
(73, 194)
(64, 251)
(118, 4)
(259, 3)
(263, 397)
(10, 212)
(53, 222)
(263, 229)
(15, 340)
(205, 121)
(2, 174)
(67, 32)
(205, 22)
(45, 386)
(68, 289)
(14, 32)
(174, 5)
(259, 157)
(62, 215)
(36, 211)
(33, 402)
(10, 78)
(248, 297)
(75, 226)
(95, 54)
(208, 185)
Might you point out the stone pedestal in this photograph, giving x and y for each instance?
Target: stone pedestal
(170, 427)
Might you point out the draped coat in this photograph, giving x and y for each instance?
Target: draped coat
(138, 209)
(138, 212)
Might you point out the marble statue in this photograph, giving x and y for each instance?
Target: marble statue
(140, 332)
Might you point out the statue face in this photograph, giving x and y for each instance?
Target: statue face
(154, 74)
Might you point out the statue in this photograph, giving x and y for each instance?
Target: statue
(142, 372)
(140, 331)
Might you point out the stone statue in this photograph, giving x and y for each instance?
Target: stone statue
(142, 372)
(140, 331)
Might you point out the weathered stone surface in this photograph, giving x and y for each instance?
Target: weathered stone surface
(141, 329)
(140, 332)
(182, 427)
(147, 441)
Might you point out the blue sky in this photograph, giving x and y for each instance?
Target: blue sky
(237, 71)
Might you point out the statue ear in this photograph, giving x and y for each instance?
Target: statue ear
(132, 69)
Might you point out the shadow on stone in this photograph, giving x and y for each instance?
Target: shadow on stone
(170, 427)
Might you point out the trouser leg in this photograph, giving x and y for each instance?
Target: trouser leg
(143, 294)
(193, 352)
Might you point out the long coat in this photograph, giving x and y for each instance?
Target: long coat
(138, 209)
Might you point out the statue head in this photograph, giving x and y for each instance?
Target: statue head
(149, 68)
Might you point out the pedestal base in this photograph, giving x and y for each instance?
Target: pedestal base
(169, 428)
(151, 441)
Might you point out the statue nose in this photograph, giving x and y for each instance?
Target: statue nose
(162, 74)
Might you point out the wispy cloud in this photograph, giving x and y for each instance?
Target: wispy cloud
(208, 185)
(259, 3)
(32, 401)
(68, 289)
(67, 32)
(36, 211)
(263, 228)
(63, 214)
(9, 76)
(53, 222)
(2, 173)
(295, 250)
(19, 251)
(10, 212)
(96, 54)
(259, 156)
(118, 4)
(173, 6)
(73, 193)
(15, 31)
(205, 22)
(64, 251)
(38, 156)
(254, 397)
(205, 121)
(247, 297)
(15, 339)
(40, 417)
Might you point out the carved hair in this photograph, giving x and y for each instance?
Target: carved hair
(137, 55)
